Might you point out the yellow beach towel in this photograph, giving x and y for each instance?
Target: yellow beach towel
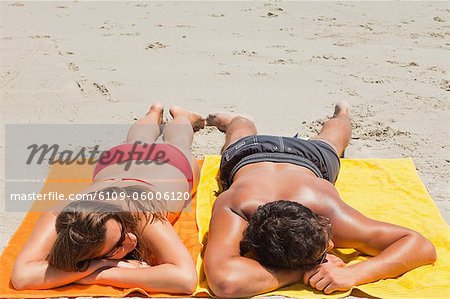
(389, 190)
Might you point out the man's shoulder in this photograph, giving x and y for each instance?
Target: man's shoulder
(231, 199)
(224, 198)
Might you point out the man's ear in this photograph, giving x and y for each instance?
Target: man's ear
(250, 255)
(330, 245)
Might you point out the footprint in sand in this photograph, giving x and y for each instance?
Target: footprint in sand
(439, 19)
(38, 36)
(105, 92)
(276, 47)
(73, 67)
(282, 61)
(156, 45)
(244, 53)
(270, 15)
(376, 131)
(326, 19)
(329, 57)
(445, 85)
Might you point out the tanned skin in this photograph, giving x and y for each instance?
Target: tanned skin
(175, 269)
(394, 250)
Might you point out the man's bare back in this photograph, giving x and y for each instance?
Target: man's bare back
(258, 182)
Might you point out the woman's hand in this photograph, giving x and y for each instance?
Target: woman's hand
(132, 264)
(104, 264)
(92, 278)
(101, 264)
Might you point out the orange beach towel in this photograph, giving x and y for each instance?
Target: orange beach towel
(61, 178)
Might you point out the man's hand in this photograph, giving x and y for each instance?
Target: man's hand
(330, 276)
(334, 260)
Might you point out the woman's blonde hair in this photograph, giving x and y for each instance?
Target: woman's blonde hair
(80, 226)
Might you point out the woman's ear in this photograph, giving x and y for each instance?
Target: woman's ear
(82, 265)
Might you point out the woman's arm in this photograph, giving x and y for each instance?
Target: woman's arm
(161, 278)
(31, 269)
(175, 272)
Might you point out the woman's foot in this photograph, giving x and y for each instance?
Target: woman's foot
(156, 112)
(223, 120)
(197, 120)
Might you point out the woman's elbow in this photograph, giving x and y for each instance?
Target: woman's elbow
(19, 281)
(22, 277)
(188, 282)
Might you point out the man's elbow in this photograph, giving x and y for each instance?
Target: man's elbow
(224, 287)
(223, 282)
(429, 251)
(425, 251)
(225, 279)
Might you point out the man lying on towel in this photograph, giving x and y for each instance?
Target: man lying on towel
(279, 215)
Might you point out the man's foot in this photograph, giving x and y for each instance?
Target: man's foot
(342, 107)
(156, 111)
(223, 120)
(197, 121)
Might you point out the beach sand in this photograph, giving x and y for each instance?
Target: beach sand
(283, 63)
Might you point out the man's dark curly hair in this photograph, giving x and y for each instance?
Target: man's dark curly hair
(287, 235)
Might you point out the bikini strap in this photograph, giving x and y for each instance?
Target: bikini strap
(125, 179)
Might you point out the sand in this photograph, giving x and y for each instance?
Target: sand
(284, 63)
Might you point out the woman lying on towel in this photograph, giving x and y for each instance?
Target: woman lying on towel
(130, 241)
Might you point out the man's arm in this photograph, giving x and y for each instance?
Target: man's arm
(395, 250)
(228, 273)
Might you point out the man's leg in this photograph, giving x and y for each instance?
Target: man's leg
(337, 130)
(235, 126)
(147, 129)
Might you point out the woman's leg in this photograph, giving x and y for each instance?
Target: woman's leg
(147, 129)
(234, 126)
(337, 130)
(179, 132)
